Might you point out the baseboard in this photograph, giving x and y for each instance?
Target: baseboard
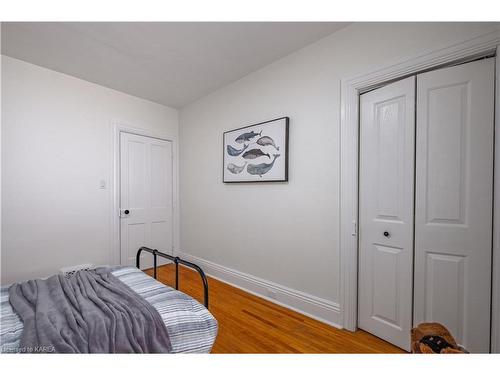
(317, 308)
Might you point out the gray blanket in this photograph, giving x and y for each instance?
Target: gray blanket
(87, 312)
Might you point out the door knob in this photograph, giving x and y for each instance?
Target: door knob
(126, 212)
(386, 234)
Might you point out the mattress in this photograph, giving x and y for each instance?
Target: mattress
(191, 327)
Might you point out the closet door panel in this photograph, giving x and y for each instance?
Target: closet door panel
(453, 207)
(386, 211)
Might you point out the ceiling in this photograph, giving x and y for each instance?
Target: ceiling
(170, 63)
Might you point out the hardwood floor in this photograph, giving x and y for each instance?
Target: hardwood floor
(249, 324)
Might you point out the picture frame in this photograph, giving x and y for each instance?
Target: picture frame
(257, 153)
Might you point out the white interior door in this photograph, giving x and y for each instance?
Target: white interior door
(453, 211)
(387, 127)
(145, 196)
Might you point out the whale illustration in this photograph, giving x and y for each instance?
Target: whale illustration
(245, 137)
(255, 153)
(234, 169)
(260, 169)
(267, 141)
(234, 151)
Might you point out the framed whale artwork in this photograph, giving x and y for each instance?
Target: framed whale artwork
(257, 153)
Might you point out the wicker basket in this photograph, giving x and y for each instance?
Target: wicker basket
(434, 338)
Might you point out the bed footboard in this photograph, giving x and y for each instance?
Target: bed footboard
(176, 261)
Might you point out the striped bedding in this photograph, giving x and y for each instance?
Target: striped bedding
(191, 327)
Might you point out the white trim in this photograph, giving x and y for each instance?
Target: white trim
(317, 308)
(117, 128)
(495, 300)
(350, 89)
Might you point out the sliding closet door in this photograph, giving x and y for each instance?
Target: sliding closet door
(453, 210)
(387, 124)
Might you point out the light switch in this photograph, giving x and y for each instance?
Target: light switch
(102, 184)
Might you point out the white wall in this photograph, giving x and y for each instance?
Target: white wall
(57, 145)
(288, 233)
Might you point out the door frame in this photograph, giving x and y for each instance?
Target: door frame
(480, 46)
(117, 129)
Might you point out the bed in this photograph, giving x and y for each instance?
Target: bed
(191, 327)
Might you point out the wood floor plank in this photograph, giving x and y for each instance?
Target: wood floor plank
(250, 324)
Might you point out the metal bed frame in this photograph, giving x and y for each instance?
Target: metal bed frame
(176, 261)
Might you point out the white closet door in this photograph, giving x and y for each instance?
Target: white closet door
(145, 196)
(387, 127)
(453, 211)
